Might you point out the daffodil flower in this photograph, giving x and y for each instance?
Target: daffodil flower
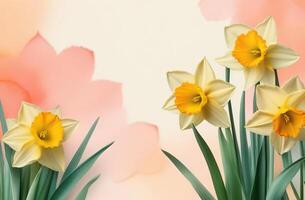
(37, 136)
(199, 97)
(281, 114)
(256, 52)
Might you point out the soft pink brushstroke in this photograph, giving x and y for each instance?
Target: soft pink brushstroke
(41, 76)
(289, 16)
(137, 150)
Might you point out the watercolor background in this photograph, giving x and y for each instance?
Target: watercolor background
(135, 42)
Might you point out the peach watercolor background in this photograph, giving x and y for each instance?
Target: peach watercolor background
(135, 43)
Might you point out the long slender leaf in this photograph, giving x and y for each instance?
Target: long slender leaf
(233, 183)
(301, 182)
(33, 189)
(231, 116)
(25, 182)
(79, 153)
(14, 173)
(44, 183)
(67, 185)
(53, 184)
(280, 183)
(83, 193)
(302, 151)
(287, 159)
(269, 162)
(258, 189)
(203, 193)
(213, 167)
(245, 154)
(7, 182)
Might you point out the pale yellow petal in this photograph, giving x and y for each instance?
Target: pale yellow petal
(176, 78)
(27, 113)
(170, 104)
(204, 73)
(293, 85)
(297, 99)
(69, 126)
(282, 144)
(27, 155)
(267, 29)
(261, 123)
(269, 98)
(186, 121)
(268, 77)
(233, 31)
(17, 137)
(219, 91)
(53, 158)
(229, 61)
(278, 56)
(216, 114)
(253, 76)
(11, 123)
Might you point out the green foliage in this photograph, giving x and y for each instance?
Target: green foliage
(203, 193)
(248, 164)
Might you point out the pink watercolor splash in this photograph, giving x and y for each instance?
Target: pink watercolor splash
(289, 16)
(41, 76)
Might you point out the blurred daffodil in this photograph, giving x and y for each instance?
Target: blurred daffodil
(256, 52)
(199, 97)
(38, 135)
(281, 114)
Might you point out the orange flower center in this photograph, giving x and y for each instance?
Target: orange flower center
(47, 130)
(250, 49)
(190, 98)
(288, 122)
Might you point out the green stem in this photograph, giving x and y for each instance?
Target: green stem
(302, 150)
(270, 162)
(233, 127)
(245, 154)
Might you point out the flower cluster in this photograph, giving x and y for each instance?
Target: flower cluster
(281, 111)
(278, 122)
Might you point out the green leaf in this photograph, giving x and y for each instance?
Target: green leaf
(280, 183)
(269, 162)
(231, 116)
(213, 167)
(44, 183)
(25, 182)
(83, 193)
(53, 184)
(33, 189)
(203, 193)
(245, 154)
(233, 183)
(14, 173)
(7, 182)
(79, 153)
(258, 189)
(287, 160)
(67, 185)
